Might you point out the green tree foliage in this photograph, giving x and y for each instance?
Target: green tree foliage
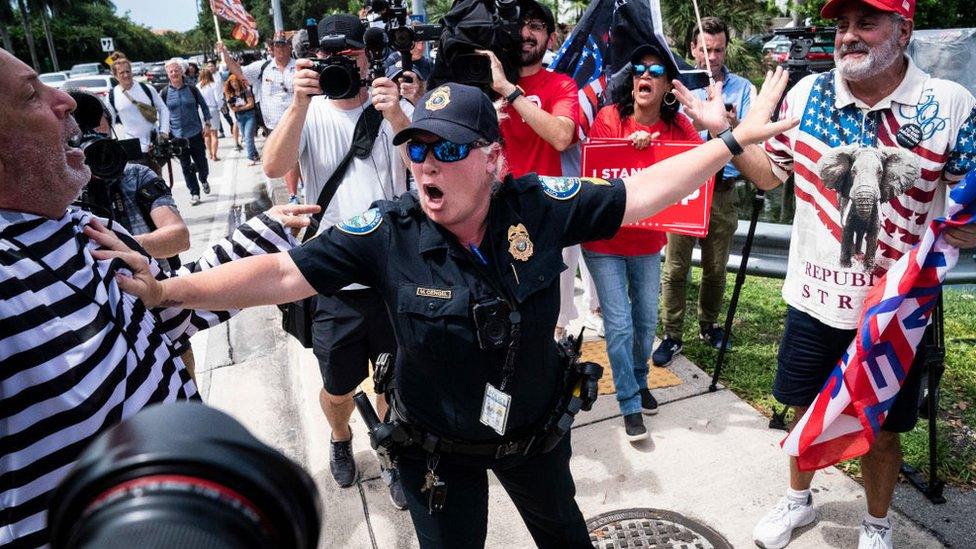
(929, 14)
(76, 30)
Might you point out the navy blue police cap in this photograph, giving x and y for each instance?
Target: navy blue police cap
(455, 112)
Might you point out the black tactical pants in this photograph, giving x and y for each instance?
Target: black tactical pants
(541, 487)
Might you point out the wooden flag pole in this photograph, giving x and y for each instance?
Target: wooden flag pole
(217, 28)
(701, 36)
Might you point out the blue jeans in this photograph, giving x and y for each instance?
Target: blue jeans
(628, 288)
(248, 127)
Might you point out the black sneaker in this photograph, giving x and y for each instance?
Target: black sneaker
(342, 464)
(392, 479)
(206, 187)
(648, 402)
(666, 351)
(713, 336)
(634, 427)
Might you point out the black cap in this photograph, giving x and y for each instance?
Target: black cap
(650, 49)
(455, 112)
(531, 6)
(345, 24)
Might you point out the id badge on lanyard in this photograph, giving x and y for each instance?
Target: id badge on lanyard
(494, 408)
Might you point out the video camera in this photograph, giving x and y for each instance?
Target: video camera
(801, 40)
(396, 34)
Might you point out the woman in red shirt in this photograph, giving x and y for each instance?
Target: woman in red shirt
(627, 267)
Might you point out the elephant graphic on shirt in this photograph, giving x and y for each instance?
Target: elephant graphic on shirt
(865, 178)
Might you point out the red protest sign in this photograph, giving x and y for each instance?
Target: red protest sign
(610, 158)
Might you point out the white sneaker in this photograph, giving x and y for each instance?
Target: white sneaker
(875, 537)
(774, 529)
(194, 199)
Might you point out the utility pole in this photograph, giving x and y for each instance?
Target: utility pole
(419, 7)
(279, 23)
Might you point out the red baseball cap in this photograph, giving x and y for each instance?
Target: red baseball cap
(904, 8)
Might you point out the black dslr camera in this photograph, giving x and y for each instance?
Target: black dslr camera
(396, 34)
(163, 150)
(338, 74)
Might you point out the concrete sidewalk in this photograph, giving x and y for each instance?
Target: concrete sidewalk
(710, 457)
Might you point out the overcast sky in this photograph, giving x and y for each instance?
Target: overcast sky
(178, 15)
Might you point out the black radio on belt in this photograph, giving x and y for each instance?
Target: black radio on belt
(492, 324)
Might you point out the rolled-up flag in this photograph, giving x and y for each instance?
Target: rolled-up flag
(845, 417)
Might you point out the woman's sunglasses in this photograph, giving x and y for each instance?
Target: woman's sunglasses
(656, 71)
(444, 150)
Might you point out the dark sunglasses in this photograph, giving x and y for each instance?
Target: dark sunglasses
(656, 71)
(444, 150)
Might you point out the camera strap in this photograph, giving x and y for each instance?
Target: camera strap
(367, 128)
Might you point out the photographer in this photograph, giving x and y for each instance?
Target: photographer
(186, 103)
(352, 327)
(542, 112)
(273, 85)
(140, 109)
(150, 214)
(867, 112)
(77, 355)
(469, 264)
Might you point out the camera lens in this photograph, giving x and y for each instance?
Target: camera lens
(183, 475)
(104, 156)
(496, 330)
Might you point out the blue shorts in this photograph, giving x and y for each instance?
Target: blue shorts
(808, 353)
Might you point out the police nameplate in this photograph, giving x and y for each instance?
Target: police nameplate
(434, 292)
(361, 224)
(560, 188)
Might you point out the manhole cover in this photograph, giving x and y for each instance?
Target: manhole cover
(648, 528)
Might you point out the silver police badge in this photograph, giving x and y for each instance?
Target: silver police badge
(560, 188)
(361, 224)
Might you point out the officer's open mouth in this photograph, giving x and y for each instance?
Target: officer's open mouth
(432, 192)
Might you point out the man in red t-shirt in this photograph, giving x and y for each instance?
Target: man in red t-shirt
(543, 110)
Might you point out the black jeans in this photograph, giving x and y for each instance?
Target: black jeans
(194, 162)
(541, 487)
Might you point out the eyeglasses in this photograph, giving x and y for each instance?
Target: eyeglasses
(655, 70)
(444, 150)
(535, 25)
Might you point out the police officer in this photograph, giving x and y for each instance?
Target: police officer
(461, 263)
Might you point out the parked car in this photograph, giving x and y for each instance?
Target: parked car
(820, 56)
(84, 69)
(97, 84)
(138, 68)
(54, 79)
(156, 75)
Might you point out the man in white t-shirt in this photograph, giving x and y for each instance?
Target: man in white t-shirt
(874, 114)
(125, 99)
(351, 328)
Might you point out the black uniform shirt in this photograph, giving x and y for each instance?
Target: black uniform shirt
(430, 283)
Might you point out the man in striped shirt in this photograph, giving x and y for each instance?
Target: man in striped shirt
(878, 104)
(76, 354)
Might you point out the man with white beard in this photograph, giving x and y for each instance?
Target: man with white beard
(875, 100)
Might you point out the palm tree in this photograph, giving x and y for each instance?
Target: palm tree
(28, 33)
(42, 6)
(6, 19)
(742, 16)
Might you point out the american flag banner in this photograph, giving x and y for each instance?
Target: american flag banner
(845, 417)
(600, 46)
(246, 29)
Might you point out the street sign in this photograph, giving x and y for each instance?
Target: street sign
(108, 44)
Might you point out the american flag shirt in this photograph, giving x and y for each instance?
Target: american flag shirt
(830, 117)
(77, 355)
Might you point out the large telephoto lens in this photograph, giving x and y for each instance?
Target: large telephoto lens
(184, 475)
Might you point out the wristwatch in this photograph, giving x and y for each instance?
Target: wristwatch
(734, 147)
(514, 95)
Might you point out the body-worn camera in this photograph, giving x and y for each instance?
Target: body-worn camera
(492, 324)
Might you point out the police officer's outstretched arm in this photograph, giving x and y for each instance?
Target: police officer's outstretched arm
(657, 187)
(256, 280)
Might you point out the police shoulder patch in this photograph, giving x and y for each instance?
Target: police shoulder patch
(361, 224)
(560, 188)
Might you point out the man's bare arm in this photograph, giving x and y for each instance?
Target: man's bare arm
(170, 237)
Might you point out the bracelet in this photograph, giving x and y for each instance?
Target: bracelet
(734, 147)
(514, 95)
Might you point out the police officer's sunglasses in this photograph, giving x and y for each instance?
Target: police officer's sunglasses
(655, 70)
(444, 150)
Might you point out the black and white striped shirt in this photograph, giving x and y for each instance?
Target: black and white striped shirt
(77, 355)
